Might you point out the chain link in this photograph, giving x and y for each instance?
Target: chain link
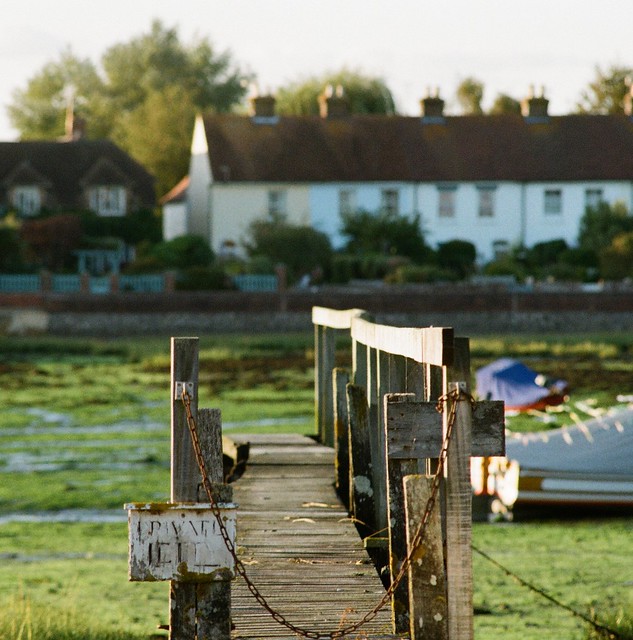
(454, 397)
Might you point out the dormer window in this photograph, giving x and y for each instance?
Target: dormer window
(108, 200)
(26, 199)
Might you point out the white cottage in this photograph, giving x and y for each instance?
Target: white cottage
(494, 180)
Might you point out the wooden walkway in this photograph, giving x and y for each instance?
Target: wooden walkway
(299, 546)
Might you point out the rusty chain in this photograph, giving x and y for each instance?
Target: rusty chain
(454, 397)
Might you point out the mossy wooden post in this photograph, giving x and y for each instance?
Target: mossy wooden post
(213, 599)
(197, 611)
(185, 477)
(399, 464)
(325, 345)
(361, 491)
(459, 504)
(341, 434)
(427, 578)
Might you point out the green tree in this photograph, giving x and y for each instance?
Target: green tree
(601, 224)
(172, 113)
(39, 110)
(616, 260)
(146, 90)
(303, 250)
(605, 94)
(366, 94)
(157, 60)
(470, 93)
(505, 104)
(385, 234)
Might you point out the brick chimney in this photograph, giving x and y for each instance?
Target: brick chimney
(333, 103)
(263, 106)
(535, 106)
(432, 106)
(74, 126)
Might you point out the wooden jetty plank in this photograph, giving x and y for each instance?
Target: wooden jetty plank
(299, 546)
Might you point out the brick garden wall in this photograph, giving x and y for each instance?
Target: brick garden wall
(469, 309)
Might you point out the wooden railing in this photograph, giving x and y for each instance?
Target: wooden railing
(381, 417)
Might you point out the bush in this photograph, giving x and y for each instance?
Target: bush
(384, 234)
(11, 249)
(412, 273)
(202, 279)
(131, 228)
(545, 253)
(52, 240)
(344, 268)
(183, 252)
(506, 266)
(458, 256)
(302, 249)
(616, 260)
(601, 224)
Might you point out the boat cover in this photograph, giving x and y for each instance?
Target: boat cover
(589, 463)
(518, 386)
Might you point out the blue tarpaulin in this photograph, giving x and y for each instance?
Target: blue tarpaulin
(517, 385)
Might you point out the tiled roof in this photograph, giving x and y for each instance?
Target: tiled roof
(364, 148)
(67, 167)
(178, 193)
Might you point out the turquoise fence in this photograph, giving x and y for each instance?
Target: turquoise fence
(67, 283)
(76, 283)
(143, 284)
(256, 283)
(20, 283)
(150, 283)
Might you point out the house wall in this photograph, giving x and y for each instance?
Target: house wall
(175, 220)
(542, 226)
(467, 224)
(325, 206)
(235, 206)
(200, 179)
(519, 211)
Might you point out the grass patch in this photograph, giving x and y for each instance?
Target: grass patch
(547, 555)
(73, 585)
(97, 412)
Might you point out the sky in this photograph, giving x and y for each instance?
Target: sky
(413, 45)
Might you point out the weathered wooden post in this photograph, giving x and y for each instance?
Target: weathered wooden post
(341, 434)
(360, 472)
(415, 430)
(181, 541)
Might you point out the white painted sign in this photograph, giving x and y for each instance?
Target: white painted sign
(179, 542)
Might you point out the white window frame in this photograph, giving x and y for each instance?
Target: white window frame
(390, 202)
(553, 202)
(346, 201)
(277, 203)
(108, 200)
(446, 202)
(593, 198)
(486, 207)
(27, 199)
